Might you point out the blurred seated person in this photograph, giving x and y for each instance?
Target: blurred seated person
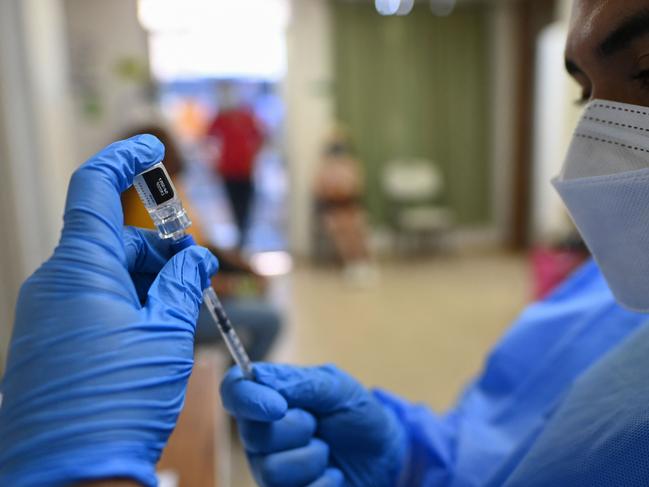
(241, 289)
(339, 186)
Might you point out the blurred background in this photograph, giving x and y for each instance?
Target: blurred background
(375, 186)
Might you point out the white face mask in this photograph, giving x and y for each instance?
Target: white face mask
(605, 185)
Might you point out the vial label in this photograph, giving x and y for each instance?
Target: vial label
(158, 185)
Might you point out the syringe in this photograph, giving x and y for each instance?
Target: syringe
(161, 200)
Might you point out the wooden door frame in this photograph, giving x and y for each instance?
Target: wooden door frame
(531, 16)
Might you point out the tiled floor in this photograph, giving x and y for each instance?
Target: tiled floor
(422, 331)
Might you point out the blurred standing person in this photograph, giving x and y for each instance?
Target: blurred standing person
(339, 187)
(239, 137)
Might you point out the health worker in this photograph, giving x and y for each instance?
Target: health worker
(563, 399)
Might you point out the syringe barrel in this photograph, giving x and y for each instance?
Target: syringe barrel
(161, 200)
(230, 337)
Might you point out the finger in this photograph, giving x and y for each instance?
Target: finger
(142, 284)
(293, 468)
(93, 208)
(320, 390)
(146, 252)
(146, 255)
(331, 478)
(249, 400)
(294, 430)
(177, 292)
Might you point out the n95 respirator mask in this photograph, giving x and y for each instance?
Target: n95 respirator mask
(605, 185)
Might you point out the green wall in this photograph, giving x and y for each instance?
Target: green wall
(417, 86)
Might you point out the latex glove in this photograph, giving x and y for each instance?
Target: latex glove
(315, 427)
(95, 379)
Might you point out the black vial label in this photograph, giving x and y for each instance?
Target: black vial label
(159, 186)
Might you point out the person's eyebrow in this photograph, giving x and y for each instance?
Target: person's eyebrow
(633, 27)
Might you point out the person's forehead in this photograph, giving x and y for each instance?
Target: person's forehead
(592, 20)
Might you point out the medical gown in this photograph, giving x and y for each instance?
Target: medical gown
(563, 400)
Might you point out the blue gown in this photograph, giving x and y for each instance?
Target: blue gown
(542, 412)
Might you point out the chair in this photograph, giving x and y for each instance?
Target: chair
(414, 189)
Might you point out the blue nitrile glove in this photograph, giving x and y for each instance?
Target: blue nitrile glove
(103, 340)
(315, 427)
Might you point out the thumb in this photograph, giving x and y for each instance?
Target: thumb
(177, 292)
(320, 390)
(93, 210)
(245, 399)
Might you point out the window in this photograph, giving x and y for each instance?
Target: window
(216, 38)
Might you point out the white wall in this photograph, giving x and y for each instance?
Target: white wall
(555, 118)
(35, 144)
(551, 128)
(101, 34)
(310, 108)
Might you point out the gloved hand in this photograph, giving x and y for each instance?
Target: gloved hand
(102, 345)
(315, 427)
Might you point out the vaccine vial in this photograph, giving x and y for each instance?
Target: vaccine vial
(159, 196)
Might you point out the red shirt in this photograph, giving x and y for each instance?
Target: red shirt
(240, 138)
